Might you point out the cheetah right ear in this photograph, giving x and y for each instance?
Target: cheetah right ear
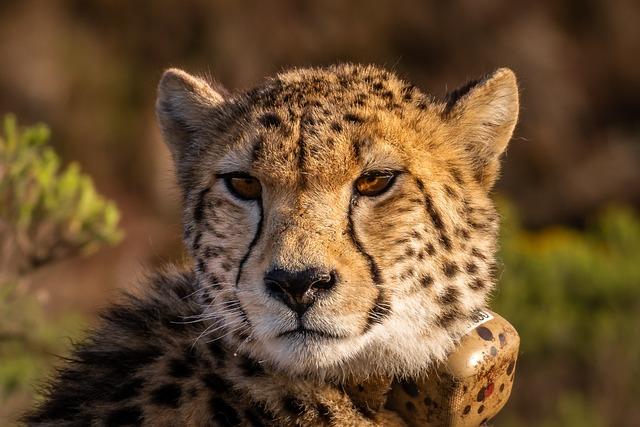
(482, 116)
(185, 104)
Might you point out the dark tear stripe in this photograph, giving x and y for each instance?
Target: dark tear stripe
(254, 241)
(379, 309)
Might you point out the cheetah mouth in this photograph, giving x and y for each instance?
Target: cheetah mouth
(309, 333)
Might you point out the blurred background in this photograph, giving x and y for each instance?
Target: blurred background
(101, 183)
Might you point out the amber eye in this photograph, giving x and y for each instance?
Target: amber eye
(243, 186)
(374, 184)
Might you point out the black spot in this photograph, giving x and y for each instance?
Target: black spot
(467, 409)
(447, 317)
(493, 351)
(353, 118)
(293, 405)
(426, 280)
(512, 365)
(457, 175)
(476, 253)
(472, 268)
(125, 416)
(481, 409)
(431, 250)
(210, 252)
(444, 240)
(179, 369)
(258, 149)
(410, 387)
(215, 383)
(462, 233)
(450, 297)
(270, 120)
(223, 413)
(410, 406)
(450, 191)
(484, 333)
(450, 269)
(364, 409)
(214, 282)
(254, 418)
(201, 266)
(126, 390)
(336, 127)
(264, 414)
(325, 414)
(408, 273)
(501, 387)
(378, 86)
(251, 367)
(357, 149)
(477, 284)
(167, 395)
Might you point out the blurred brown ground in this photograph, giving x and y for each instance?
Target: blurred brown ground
(89, 69)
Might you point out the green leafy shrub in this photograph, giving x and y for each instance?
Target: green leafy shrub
(574, 297)
(47, 213)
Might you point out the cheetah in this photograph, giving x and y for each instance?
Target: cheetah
(341, 228)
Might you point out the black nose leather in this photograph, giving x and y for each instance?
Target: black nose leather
(299, 289)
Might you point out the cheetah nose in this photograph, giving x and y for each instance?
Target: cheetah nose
(299, 289)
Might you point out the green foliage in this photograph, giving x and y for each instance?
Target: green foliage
(47, 213)
(29, 339)
(574, 298)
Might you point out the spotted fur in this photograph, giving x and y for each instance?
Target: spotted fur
(212, 346)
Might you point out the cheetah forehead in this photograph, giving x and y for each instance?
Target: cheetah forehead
(326, 123)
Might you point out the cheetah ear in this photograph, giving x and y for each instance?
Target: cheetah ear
(483, 114)
(184, 105)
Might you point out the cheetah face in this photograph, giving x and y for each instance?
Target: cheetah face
(339, 219)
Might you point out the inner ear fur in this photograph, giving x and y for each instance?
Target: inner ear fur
(184, 104)
(482, 116)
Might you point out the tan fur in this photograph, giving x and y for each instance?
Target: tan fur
(412, 264)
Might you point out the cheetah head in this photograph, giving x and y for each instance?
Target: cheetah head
(339, 219)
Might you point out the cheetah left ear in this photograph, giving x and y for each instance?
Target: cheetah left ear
(185, 104)
(483, 115)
